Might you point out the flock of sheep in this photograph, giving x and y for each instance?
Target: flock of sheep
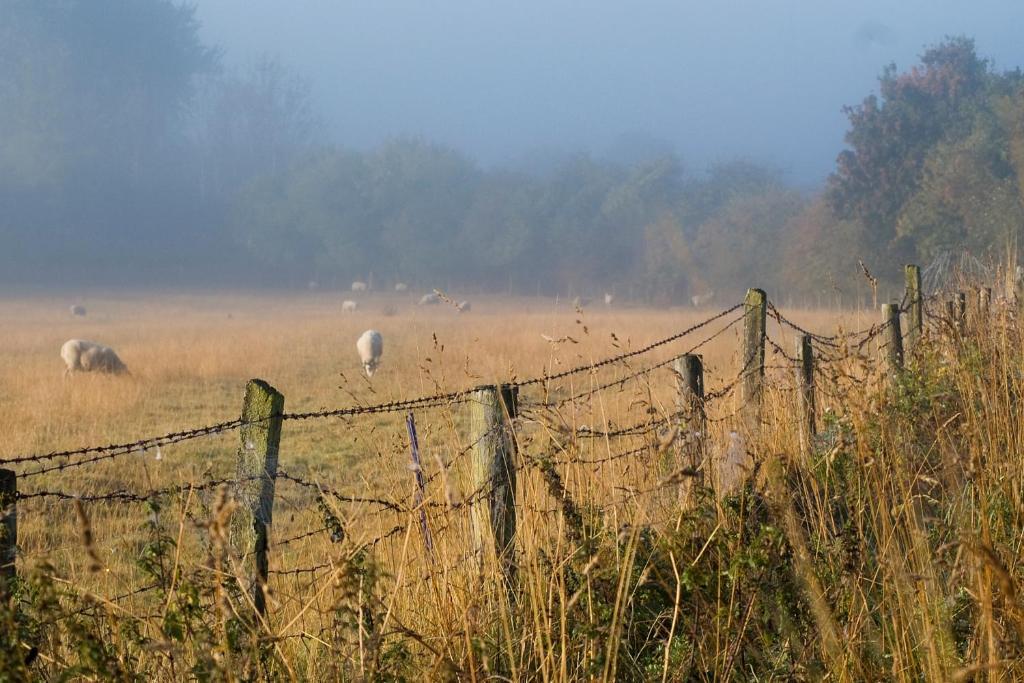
(80, 355)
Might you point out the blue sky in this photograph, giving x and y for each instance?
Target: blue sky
(765, 81)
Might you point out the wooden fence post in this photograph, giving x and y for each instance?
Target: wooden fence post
(494, 472)
(1018, 290)
(961, 313)
(254, 490)
(915, 313)
(689, 370)
(805, 390)
(984, 302)
(755, 306)
(8, 532)
(893, 338)
(951, 317)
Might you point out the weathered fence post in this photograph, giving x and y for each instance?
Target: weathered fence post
(915, 313)
(414, 447)
(494, 472)
(893, 338)
(755, 306)
(805, 390)
(689, 370)
(254, 490)
(961, 313)
(1018, 290)
(984, 302)
(951, 317)
(8, 532)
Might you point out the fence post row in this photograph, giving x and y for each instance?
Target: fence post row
(8, 532)
(689, 370)
(805, 390)
(494, 472)
(893, 338)
(254, 491)
(755, 306)
(915, 321)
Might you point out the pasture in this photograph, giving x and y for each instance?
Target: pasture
(628, 564)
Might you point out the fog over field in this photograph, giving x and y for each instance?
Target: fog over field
(538, 341)
(658, 150)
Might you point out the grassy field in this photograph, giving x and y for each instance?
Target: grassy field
(887, 550)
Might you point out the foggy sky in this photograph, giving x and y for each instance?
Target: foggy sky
(714, 80)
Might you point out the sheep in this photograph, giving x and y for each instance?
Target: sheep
(579, 302)
(429, 300)
(349, 306)
(370, 347)
(699, 300)
(78, 310)
(462, 307)
(88, 356)
(401, 286)
(358, 286)
(608, 298)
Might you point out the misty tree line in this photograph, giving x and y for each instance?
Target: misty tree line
(130, 153)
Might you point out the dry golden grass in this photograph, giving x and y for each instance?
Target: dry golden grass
(884, 605)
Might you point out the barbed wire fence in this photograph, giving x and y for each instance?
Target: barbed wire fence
(543, 429)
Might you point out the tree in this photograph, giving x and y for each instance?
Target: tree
(249, 123)
(92, 97)
(740, 246)
(891, 136)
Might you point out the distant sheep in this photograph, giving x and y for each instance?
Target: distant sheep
(78, 310)
(88, 356)
(462, 307)
(358, 286)
(429, 300)
(608, 298)
(370, 347)
(699, 300)
(349, 306)
(401, 286)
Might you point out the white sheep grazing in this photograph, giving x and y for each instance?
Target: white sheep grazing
(88, 356)
(462, 307)
(349, 306)
(699, 300)
(608, 298)
(370, 347)
(78, 310)
(401, 286)
(358, 286)
(580, 301)
(429, 300)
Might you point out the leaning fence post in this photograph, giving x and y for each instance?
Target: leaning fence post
(494, 472)
(805, 390)
(254, 490)
(915, 314)
(689, 370)
(893, 338)
(8, 532)
(414, 447)
(755, 306)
